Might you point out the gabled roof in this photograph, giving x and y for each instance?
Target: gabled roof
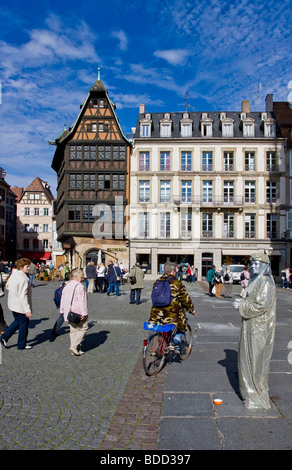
(97, 87)
(18, 192)
(39, 185)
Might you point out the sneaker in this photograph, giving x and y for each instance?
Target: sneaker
(3, 342)
(74, 351)
(28, 347)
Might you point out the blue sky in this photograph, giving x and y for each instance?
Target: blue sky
(151, 52)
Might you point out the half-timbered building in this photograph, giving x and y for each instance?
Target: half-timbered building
(91, 161)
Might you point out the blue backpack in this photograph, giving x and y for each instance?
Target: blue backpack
(161, 293)
(58, 295)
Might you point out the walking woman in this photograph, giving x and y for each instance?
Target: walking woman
(19, 302)
(74, 299)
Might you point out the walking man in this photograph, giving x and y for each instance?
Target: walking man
(138, 286)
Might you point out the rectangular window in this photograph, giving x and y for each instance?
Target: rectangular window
(165, 130)
(165, 191)
(74, 212)
(271, 161)
(186, 130)
(45, 228)
(207, 163)
(248, 130)
(250, 192)
(85, 214)
(165, 224)
(26, 243)
(119, 152)
(46, 243)
(228, 161)
(75, 181)
(186, 223)
(88, 181)
(144, 191)
(145, 130)
(104, 181)
(249, 161)
(36, 228)
(46, 211)
(207, 225)
(144, 224)
(118, 182)
(144, 161)
(271, 225)
(165, 161)
(271, 191)
(207, 191)
(228, 226)
(35, 243)
(186, 191)
(75, 152)
(186, 161)
(250, 225)
(26, 211)
(228, 192)
(227, 130)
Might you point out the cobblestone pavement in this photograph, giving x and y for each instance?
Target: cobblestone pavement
(52, 400)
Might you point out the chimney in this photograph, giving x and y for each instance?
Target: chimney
(269, 103)
(142, 109)
(245, 106)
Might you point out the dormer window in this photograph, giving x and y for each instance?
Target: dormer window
(165, 130)
(145, 126)
(227, 125)
(269, 127)
(186, 126)
(165, 126)
(248, 127)
(206, 126)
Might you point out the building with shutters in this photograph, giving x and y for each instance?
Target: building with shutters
(34, 221)
(207, 188)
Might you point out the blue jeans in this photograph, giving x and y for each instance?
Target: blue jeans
(114, 286)
(132, 296)
(57, 325)
(20, 322)
(32, 279)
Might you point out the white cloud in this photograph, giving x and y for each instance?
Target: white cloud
(121, 36)
(173, 56)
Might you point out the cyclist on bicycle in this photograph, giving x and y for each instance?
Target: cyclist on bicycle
(174, 313)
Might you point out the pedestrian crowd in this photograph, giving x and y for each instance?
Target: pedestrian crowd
(217, 278)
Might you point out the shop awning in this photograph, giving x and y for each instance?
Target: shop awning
(41, 255)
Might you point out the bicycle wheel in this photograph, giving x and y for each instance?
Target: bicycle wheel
(153, 354)
(186, 344)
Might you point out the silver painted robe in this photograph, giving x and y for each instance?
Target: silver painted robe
(256, 342)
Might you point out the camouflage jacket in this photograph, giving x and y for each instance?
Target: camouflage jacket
(175, 312)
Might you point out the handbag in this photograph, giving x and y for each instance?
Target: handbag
(73, 317)
(118, 277)
(133, 279)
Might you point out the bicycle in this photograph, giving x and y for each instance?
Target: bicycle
(157, 347)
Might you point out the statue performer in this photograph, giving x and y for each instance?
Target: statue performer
(257, 333)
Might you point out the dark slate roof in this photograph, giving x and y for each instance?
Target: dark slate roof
(196, 117)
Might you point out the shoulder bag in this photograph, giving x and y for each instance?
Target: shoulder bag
(73, 317)
(133, 279)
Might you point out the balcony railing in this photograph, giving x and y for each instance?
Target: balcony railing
(250, 234)
(209, 201)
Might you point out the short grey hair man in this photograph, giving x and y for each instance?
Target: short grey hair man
(169, 266)
(76, 273)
